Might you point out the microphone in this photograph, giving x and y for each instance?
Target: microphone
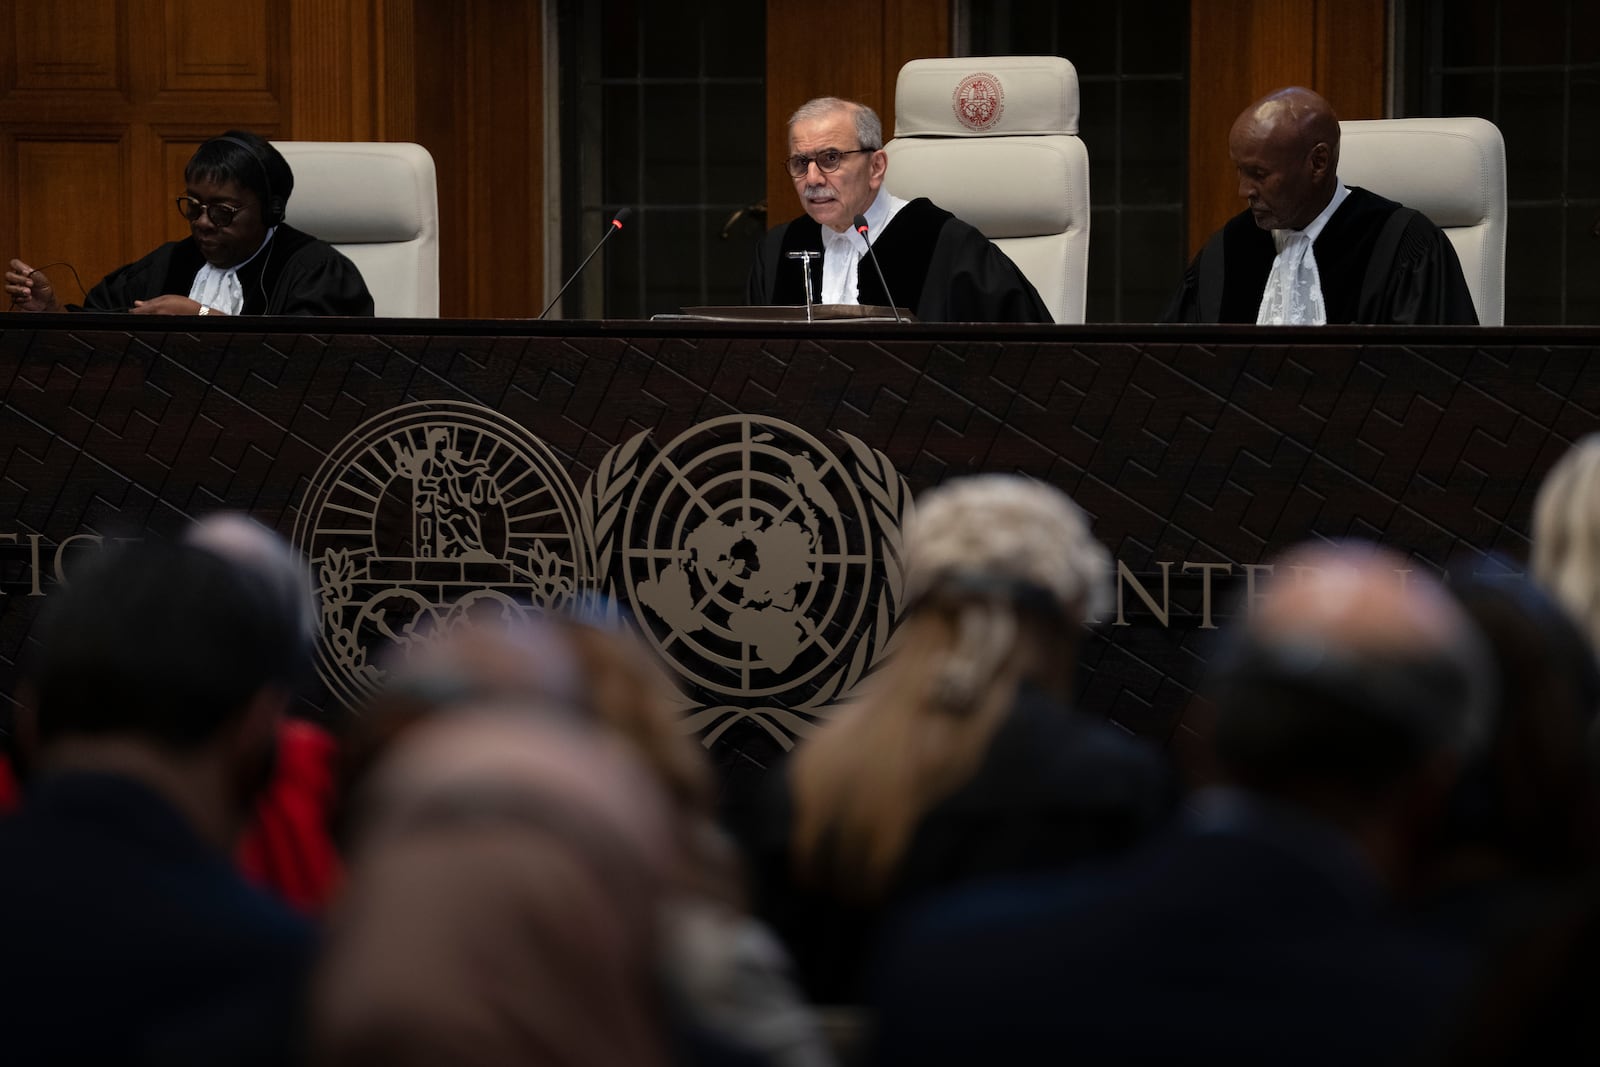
(861, 228)
(616, 224)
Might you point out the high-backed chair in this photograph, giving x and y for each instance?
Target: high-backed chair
(377, 202)
(995, 141)
(1454, 172)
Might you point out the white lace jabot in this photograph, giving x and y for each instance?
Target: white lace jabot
(1293, 296)
(841, 252)
(220, 289)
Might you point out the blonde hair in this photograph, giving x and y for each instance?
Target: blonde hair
(1566, 534)
(1004, 573)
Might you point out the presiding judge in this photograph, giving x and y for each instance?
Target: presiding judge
(1310, 250)
(938, 266)
(240, 258)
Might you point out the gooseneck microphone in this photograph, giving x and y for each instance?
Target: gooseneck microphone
(861, 228)
(616, 224)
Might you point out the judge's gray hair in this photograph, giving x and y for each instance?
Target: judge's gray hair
(869, 128)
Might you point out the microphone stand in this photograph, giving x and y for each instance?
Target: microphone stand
(616, 224)
(805, 256)
(861, 228)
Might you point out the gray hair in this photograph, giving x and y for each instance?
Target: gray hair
(869, 128)
(1014, 528)
(259, 549)
(1566, 534)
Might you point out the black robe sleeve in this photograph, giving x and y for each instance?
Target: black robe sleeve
(319, 280)
(295, 275)
(143, 279)
(1185, 303)
(760, 286)
(971, 280)
(1425, 284)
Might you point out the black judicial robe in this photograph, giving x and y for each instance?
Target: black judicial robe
(1379, 263)
(296, 274)
(938, 266)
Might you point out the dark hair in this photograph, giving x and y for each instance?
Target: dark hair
(243, 157)
(162, 641)
(1532, 793)
(1293, 718)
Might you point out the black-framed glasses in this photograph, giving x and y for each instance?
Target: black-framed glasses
(827, 161)
(221, 215)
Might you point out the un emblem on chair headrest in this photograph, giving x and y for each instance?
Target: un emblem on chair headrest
(979, 100)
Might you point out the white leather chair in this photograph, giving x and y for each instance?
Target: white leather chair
(377, 202)
(1454, 172)
(995, 141)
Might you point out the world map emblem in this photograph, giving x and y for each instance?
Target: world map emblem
(427, 515)
(761, 565)
(979, 100)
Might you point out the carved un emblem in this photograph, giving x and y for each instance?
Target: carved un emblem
(766, 570)
(979, 100)
(429, 514)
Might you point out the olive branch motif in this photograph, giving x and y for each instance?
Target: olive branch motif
(336, 576)
(891, 505)
(601, 504)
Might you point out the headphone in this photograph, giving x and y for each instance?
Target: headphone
(273, 208)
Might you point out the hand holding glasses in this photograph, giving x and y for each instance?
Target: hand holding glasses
(827, 161)
(221, 215)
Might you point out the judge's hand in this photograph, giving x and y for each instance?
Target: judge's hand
(29, 289)
(170, 304)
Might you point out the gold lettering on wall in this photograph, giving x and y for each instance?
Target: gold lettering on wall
(1163, 611)
(1205, 570)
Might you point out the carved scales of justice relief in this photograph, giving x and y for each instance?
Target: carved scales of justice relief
(763, 570)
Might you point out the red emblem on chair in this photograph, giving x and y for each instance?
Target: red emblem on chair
(979, 100)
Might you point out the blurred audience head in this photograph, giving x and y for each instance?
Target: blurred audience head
(1002, 576)
(1566, 534)
(1356, 682)
(171, 654)
(1528, 800)
(502, 902)
(583, 673)
(998, 558)
(522, 663)
(273, 560)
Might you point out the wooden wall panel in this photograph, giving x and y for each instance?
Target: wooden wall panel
(808, 56)
(331, 70)
(82, 178)
(217, 49)
(64, 45)
(1240, 50)
(480, 112)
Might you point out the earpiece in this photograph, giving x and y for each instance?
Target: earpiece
(273, 208)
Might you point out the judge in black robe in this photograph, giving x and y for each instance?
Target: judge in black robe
(935, 264)
(1376, 261)
(1379, 263)
(938, 266)
(295, 274)
(238, 188)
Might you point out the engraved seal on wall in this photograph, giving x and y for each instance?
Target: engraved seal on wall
(430, 514)
(979, 100)
(756, 560)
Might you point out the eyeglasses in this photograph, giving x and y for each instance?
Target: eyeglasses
(827, 161)
(221, 215)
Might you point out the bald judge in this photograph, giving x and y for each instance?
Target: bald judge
(1310, 250)
(938, 266)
